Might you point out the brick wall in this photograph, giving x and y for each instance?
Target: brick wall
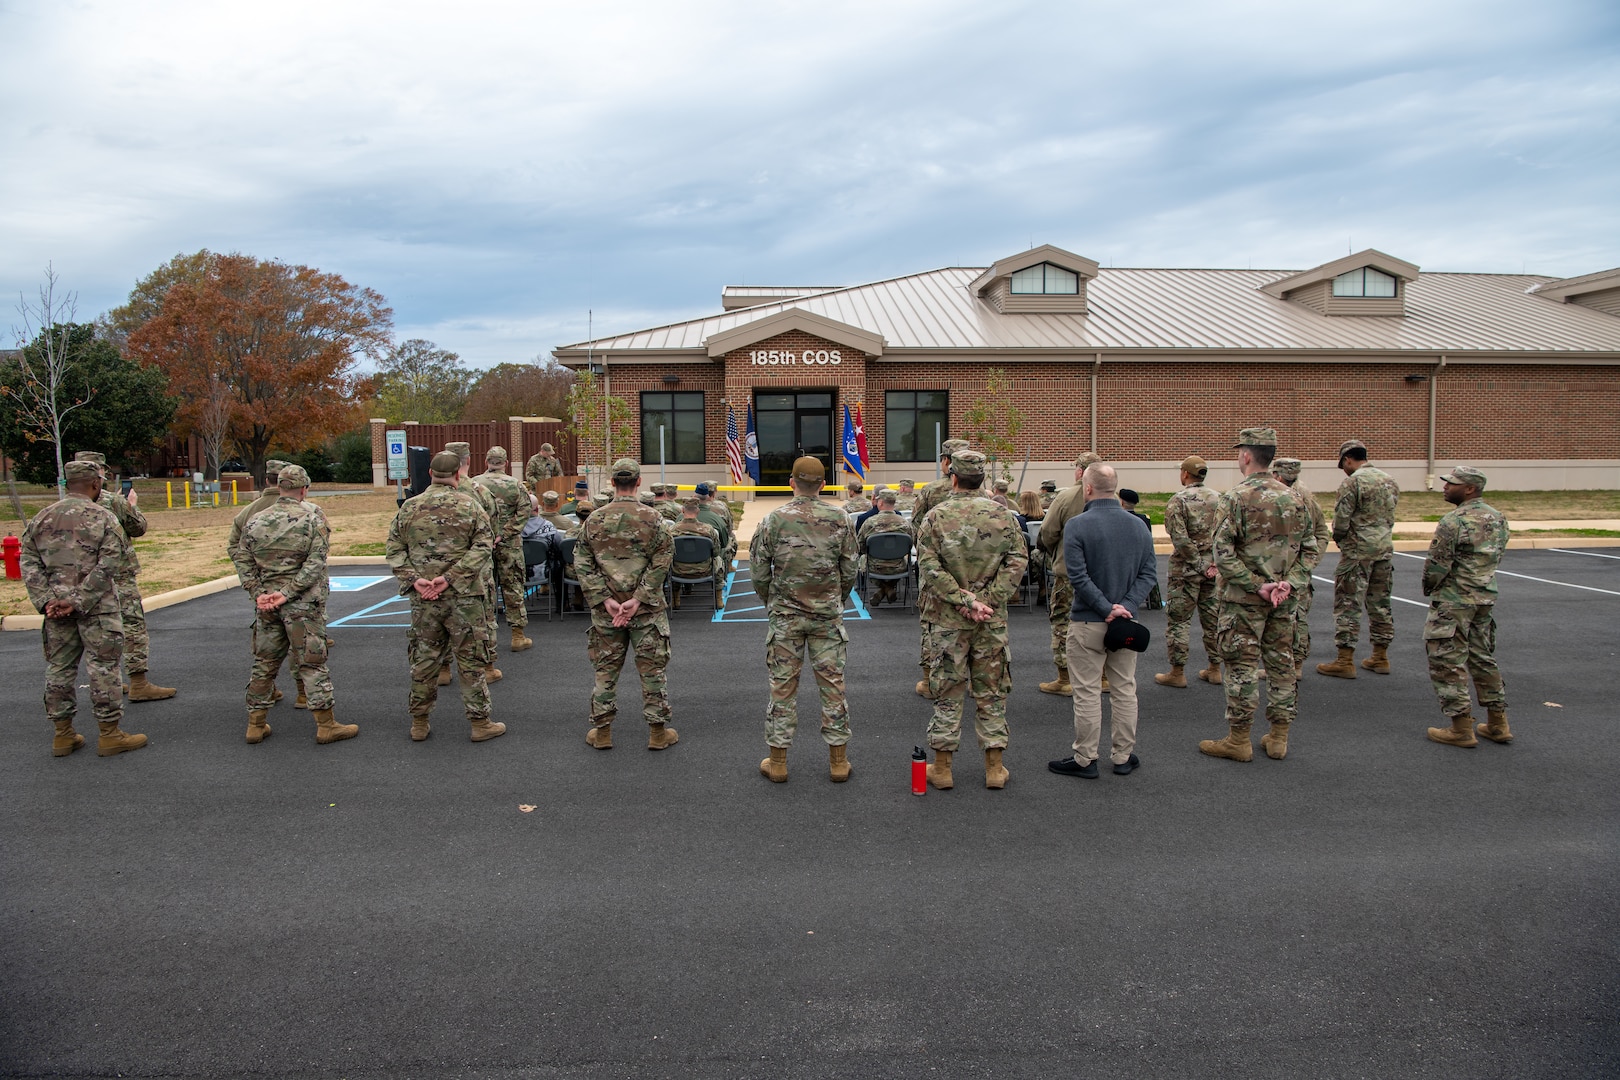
(1506, 411)
(847, 379)
(629, 381)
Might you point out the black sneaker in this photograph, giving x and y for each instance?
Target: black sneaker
(1070, 767)
(1126, 767)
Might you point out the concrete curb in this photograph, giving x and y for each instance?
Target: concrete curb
(190, 592)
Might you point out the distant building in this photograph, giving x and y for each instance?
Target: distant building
(1518, 374)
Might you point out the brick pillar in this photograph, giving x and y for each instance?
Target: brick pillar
(519, 452)
(379, 451)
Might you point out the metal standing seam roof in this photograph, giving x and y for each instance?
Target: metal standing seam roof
(1168, 310)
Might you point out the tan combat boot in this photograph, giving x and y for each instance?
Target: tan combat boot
(257, 730)
(1105, 687)
(1059, 685)
(675, 601)
(420, 729)
(1497, 729)
(66, 740)
(601, 737)
(141, 690)
(1176, 676)
(1212, 674)
(444, 675)
(115, 740)
(492, 674)
(328, 730)
(1275, 741)
(1236, 746)
(520, 640)
(484, 730)
(922, 688)
(1378, 662)
(1460, 733)
(275, 693)
(939, 773)
(838, 766)
(995, 773)
(1342, 668)
(302, 701)
(661, 736)
(774, 768)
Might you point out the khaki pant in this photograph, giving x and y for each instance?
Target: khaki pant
(1088, 660)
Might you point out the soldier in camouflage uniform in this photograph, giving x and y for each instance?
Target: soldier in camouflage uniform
(1049, 490)
(281, 560)
(73, 552)
(1059, 594)
(886, 520)
(511, 502)
(621, 562)
(715, 513)
(1363, 521)
(1265, 550)
(1287, 471)
(486, 502)
(856, 502)
(271, 495)
(542, 467)
(136, 644)
(971, 556)
(551, 510)
(932, 494)
(1189, 518)
(689, 525)
(1459, 578)
(440, 547)
(665, 503)
(803, 562)
(905, 500)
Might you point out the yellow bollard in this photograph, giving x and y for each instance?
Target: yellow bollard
(188, 494)
(233, 492)
(216, 498)
(168, 486)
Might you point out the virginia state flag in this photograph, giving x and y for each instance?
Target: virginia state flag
(751, 448)
(852, 448)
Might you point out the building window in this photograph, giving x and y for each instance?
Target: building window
(681, 417)
(909, 417)
(1045, 280)
(1364, 282)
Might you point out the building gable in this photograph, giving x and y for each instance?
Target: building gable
(999, 286)
(782, 322)
(1315, 288)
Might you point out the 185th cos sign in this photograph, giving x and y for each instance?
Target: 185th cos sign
(788, 356)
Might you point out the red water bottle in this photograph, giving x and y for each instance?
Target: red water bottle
(919, 771)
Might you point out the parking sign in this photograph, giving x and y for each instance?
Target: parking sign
(398, 467)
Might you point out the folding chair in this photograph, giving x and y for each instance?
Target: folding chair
(563, 581)
(887, 547)
(536, 572)
(694, 549)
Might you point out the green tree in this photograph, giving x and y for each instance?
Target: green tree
(599, 421)
(417, 380)
(351, 455)
(994, 423)
(124, 408)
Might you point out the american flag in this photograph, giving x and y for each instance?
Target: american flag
(733, 447)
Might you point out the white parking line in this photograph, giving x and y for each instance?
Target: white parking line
(1402, 599)
(1527, 577)
(1594, 554)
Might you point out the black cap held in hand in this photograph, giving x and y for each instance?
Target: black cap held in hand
(1126, 634)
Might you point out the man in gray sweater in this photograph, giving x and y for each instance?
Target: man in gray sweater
(1112, 570)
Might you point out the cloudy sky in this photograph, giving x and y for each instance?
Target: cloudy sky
(497, 170)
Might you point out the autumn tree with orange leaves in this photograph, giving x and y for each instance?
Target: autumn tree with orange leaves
(261, 353)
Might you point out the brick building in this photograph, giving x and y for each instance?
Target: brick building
(1519, 374)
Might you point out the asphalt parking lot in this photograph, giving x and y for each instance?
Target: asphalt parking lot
(1376, 905)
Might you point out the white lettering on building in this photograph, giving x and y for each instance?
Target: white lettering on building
(788, 356)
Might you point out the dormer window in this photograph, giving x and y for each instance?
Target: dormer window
(1044, 279)
(1365, 281)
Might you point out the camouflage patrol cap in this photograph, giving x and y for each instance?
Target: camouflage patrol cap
(626, 469)
(1087, 460)
(908, 483)
(274, 465)
(1048, 485)
(545, 448)
(1004, 486)
(1195, 465)
(1256, 436)
(884, 495)
(460, 449)
(1351, 444)
(495, 453)
(1465, 474)
(809, 470)
(691, 502)
(293, 477)
(1286, 469)
(551, 498)
(81, 470)
(952, 447)
(445, 463)
(855, 486)
(95, 457)
(967, 463)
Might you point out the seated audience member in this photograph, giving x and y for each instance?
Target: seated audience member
(1029, 506)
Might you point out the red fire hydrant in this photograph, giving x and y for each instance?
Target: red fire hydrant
(13, 557)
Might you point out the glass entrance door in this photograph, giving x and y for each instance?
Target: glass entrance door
(789, 426)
